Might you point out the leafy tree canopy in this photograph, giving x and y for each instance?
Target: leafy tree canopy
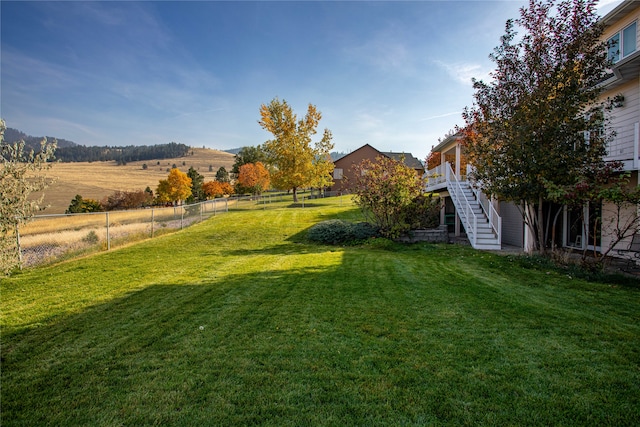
(296, 163)
(213, 189)
(197, 180)
(253, 178)
(390, 195)
(222, 175)
(174, 189)
(81, 205)
(538, 120)
(21, 174)
(246, 155)
(120, 200)
(130, 153)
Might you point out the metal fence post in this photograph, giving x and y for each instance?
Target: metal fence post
(19, 248)
(108, 235)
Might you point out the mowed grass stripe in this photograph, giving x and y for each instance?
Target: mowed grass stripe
(227, 244)
(239, 321)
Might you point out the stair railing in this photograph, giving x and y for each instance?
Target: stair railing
(460, 201)
(495, 221)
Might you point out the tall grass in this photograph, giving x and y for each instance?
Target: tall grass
(240, 321)
(49, 238)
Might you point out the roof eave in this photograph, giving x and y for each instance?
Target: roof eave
(619, 12)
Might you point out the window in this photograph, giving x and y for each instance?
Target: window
(337, 173)
(622, 44)
(594, 122)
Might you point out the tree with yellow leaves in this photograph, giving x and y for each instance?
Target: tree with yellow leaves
(174, 189)
(295, 162)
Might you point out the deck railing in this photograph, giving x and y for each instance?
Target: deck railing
(435, 176)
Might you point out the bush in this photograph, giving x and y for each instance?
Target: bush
(390, 194)
(423, 212)
(80, 205)
(337, 231)
(364, 231)
(91, 238)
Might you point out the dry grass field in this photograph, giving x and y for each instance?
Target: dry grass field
(97, 180)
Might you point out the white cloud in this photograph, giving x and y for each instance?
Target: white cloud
(440, 116)
(463, 72)
(386, 49)
(383, 54)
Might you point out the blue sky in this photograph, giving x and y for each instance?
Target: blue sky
(395, 75)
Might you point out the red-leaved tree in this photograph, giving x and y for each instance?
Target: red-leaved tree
(253, 178)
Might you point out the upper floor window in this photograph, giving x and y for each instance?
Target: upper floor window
(337, 173)
(622, 44)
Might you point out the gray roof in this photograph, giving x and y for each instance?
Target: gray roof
(446, 141)
(619, 12)
(409, 159)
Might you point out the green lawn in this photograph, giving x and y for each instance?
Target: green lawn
(239, 321)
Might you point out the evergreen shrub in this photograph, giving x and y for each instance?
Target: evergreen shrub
(337, 231)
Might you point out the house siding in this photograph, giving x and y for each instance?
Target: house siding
(624, 121)
(512, 225)
(611, 220)
(347, 162)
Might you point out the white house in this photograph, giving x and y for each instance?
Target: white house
(489, 224)
(621, 27)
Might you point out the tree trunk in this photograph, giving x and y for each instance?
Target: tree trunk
(525, 210)
(295, 195)
(540, 221)
(553, 230)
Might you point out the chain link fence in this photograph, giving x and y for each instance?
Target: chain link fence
(51, 238)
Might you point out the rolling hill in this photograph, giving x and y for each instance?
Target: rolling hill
(96, 180)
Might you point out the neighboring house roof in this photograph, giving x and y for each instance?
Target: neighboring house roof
(353, 153)
(409, 159)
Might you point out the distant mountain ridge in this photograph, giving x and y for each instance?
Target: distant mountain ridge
(12, 135)
(69, 151)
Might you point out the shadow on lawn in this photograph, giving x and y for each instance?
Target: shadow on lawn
(326, 344)
(218, 352)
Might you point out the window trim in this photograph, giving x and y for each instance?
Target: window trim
(619, 52)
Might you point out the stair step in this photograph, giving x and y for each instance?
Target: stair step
(486, 240)
(485, 237)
